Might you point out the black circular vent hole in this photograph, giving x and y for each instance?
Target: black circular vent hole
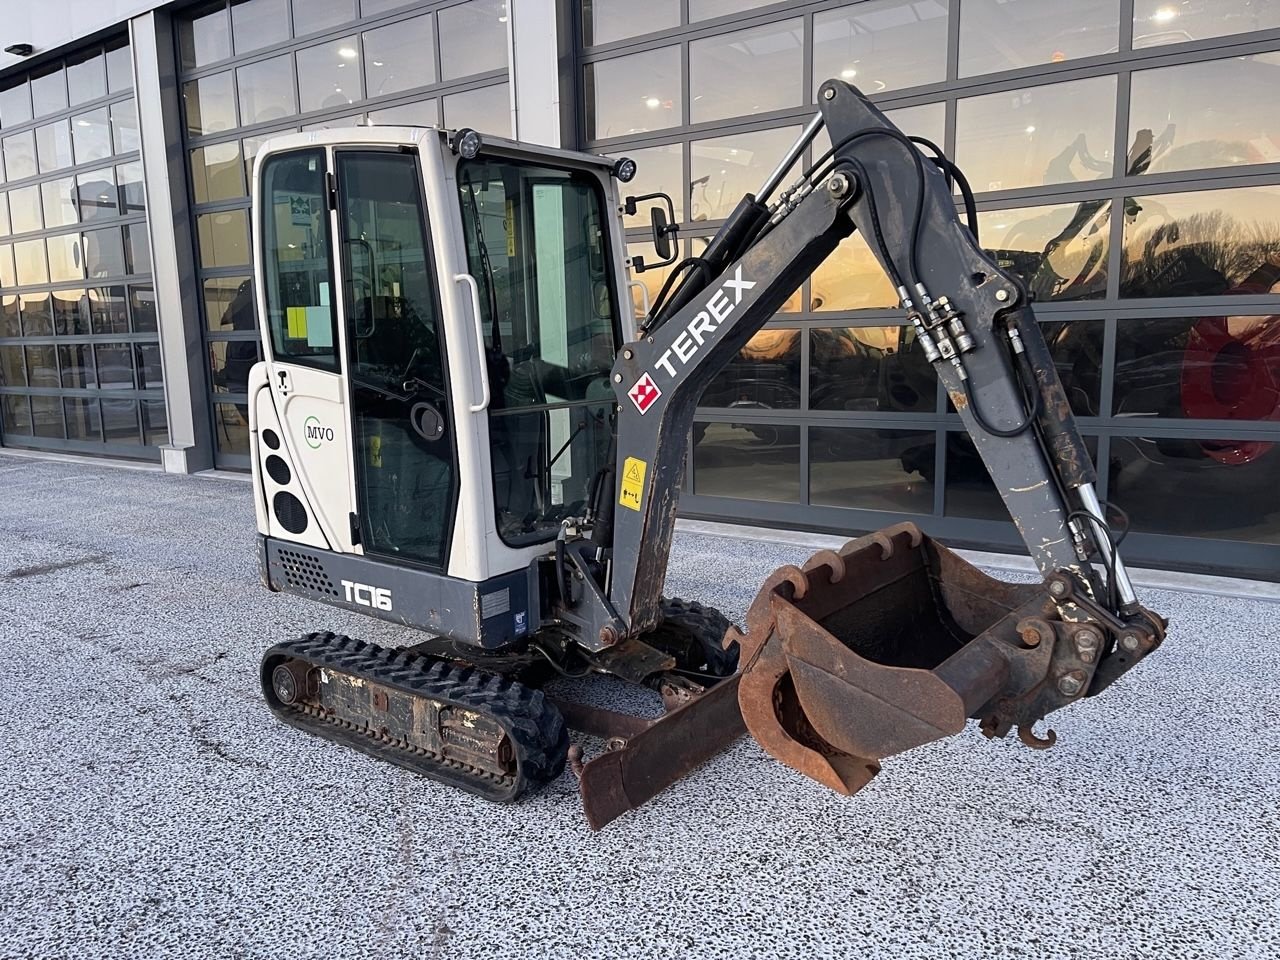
(270, 439)
(290, 512)
(278, 470)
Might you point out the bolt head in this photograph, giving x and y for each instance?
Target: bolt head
(1130, 642)
(829, 93)
(1086, 639)
(617, 378)
(1002, 295)
(1070, 684)
(1058, 588)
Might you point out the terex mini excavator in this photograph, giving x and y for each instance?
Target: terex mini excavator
(461, 428)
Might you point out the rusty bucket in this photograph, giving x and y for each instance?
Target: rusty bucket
(886, 645)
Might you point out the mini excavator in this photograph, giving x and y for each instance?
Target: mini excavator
(462, 426)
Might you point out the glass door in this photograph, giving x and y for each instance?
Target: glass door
(406, 465)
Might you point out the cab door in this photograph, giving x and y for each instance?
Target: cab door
(406, 473)
(300, 416)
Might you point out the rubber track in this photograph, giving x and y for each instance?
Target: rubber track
(708, 625)
(533, 724)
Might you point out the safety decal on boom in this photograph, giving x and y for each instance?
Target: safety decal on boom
(632, 494)
(644, 394)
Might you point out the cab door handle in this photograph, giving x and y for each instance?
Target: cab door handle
(470, 282)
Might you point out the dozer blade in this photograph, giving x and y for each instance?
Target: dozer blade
(648, 757)
(894, 642)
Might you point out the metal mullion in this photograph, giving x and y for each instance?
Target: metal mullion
(1106, 398)
(1125, 39)
(953, 43)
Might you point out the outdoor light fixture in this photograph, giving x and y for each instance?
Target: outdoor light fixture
(624, 169)
(19, 49)
(467, 143)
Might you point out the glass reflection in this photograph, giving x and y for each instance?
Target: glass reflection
(872, 469)
(473, 38)
(724, 169)
(8, 277)
(70, 315)
(20, 156)
(1159, 22)
(1059, 251)
(651, 279)
(329, 74)
(86, 79)
(881, 44)
(754, 461)
(120, 421)
(224, 238)
(76, 361)
(91, 133)
(210, 103)
(316, 15)
(37, 315)
(750, 71)
(487, 109)
(259, 23)
(230, 430)
(46, 417)
(57, 198)
(1202, 244)
(13, 372)
(420, 113)
(104, 253)
(870, 369)
(24, 209)
(83, 419)
(995, 35)
(1232, 484)
(49, 92)
(129, 177)
(65, 261)
(108, 312)
(142, 309)
(604, 21)
(1060, 133)
(1205, 114)
(119, 67)
(399, 56)
(851, 279)
(124, 127)
(633, 94)
(763, 375)
(1076, 346)
(115, 366)
(42, 366)
(706, 9)
(228, 303)
(1204, 368)
(215, 172)
(15, 103)
(137, 247)
(53, 146)
(204, 36)
(30, 259)
(95, 195)
(15, 415)
(155, 423)
(266, 90)
(658, 170)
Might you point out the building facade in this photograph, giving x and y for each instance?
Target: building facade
(1125, 156)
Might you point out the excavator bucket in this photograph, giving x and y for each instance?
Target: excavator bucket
(889, 644)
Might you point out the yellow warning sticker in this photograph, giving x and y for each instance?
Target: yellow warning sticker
(375, 450)
(632, 494)
(297, 322)
(509, 222)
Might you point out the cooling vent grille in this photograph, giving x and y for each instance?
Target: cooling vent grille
(306, 573)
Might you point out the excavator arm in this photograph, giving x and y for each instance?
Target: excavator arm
(894, 641)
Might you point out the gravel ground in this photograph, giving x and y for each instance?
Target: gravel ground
(151, 807)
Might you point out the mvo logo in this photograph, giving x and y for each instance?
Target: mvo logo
(314, 432)
(377, 597)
